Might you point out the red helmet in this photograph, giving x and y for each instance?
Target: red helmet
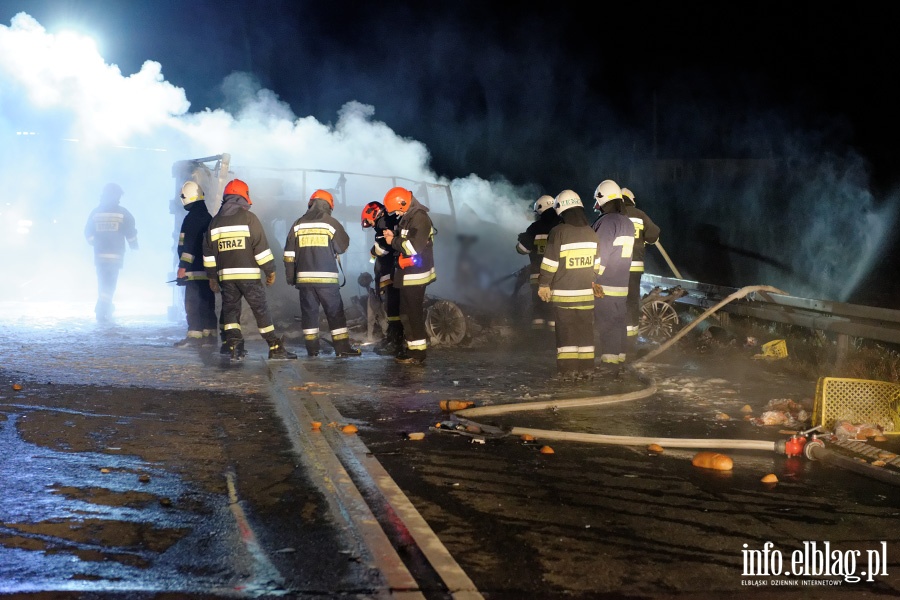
(397, 199)
(238, 188)
(322, 195)
(370, 213)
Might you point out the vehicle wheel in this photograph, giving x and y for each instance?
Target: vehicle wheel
(445, 323)
(658, 321)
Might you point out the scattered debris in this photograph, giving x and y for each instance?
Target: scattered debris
(104, 470)
(878, 463)
(349, 429)
(746, 409)
(17, 387)
(526, 437)
(722, 417)
(783, 411)
(655, 448)
(774, 350)
(316, 425)
(144, 478)
(453, 405)
(845, 430)
(416, 436)
(712, 460)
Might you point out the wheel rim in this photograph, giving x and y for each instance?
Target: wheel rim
(445, 323)
(658, 321)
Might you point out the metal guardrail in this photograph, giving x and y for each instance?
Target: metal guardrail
(853, 320)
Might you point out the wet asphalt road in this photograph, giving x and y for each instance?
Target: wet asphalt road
(130, 483)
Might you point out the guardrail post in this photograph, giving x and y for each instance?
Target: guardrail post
(843, 350)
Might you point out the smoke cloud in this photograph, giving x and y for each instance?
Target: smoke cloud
(490, 118)
(71, 123)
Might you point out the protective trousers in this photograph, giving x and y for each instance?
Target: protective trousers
(574, 340)
(392, 310)
(609, 322)
(412, 315)
(200, 308)
(255, 294)
(541, 312)
(107, 279)
(633, 307)
(329, 298)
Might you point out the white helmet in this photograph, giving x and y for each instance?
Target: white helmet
(628, 196)
(191, 192)
(566, 200)
(606, 191)
(543, 203)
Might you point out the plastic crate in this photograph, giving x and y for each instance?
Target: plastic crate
(858, 401)
(774, 350)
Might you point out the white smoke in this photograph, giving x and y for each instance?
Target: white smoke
(70, 122)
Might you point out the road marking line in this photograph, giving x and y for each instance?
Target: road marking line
(453, 576)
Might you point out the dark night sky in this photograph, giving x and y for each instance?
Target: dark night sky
(517, 90)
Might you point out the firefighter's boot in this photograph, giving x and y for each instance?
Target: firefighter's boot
(277, 351)
(343, 349)
(392, 341)
(237, 350)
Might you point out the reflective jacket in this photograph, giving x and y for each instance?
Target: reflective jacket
(312, 246)
(414, 244)
(382, 252)
(615, 236)
(533, 241)
(190, 240)
(645, 232)
(570, 263)
(107, 229)
(235, 246)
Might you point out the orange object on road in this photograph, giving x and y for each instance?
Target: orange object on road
(713, 460)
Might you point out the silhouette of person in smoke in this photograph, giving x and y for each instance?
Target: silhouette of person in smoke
(108, 227)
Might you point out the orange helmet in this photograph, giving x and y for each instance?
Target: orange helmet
(322, 195)
(370, 213)
(238, 188)
(397, 199)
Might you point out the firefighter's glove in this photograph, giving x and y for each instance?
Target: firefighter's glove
(598, 290)
(214, 286)
(270, 278)
(544, 293)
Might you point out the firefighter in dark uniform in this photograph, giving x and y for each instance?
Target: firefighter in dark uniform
(108, 228)
(235, 255)
(645, 232)
(414, 247)
(310, 264)
(374, 216)
(199, 300)
(568, 269)
(532, 242)
(615, 235)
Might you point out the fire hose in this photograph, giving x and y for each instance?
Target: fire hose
(649, 390)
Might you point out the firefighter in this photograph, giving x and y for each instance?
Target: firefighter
(108, 228)
(374, 216)
(615, 236)
(532, 242)
(645, 232)
(566, 279)
(310, 264)
(414, 248)
(236, 254)
(199, 300)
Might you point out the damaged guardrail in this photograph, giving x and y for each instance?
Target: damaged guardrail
(844, 320)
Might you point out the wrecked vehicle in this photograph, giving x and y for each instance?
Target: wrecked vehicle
(461, 305)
